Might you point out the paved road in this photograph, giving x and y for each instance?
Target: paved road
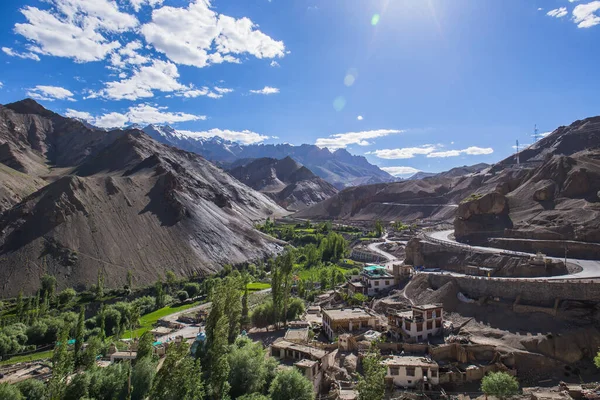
(590, 268)
(391, 260)
(420, 205)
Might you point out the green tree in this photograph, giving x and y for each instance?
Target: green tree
(129, 279)
(66, 296)
(371, 385)
(378, 228)
(295, 309)
(179, 378)
(99, 290)
(171, 279)
(145, 346)
(182, 295)
(290, 384)
(192, 289)
(219, 365)
(499, 384)
(20, 309)
(79, 336)
(597, 360)
(102, 322)
(253, 396)
(10, 392)
(48, 283)
(159, 294)
(79, 387)
(61, 365)
(32, 389)
(249, 367)
(245, 319)
(142, 377)
(87, 358)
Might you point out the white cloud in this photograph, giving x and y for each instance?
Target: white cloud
(50, 93)
(585, 15)
(545, 134)
(396, 171)
(573, 1)
(1, 85)
(244, 137)
(471, 151)
(266, 90)
(13, 53)
(110, 120)
(79, 114)
(137, 4)
(222, 90)
(140, 114)
(128, 55)
(341, 140)
(75, 28)
(274, 64)
(360, 118)
(198, 36)
(558, 12)
(403, 153)
(160, 76)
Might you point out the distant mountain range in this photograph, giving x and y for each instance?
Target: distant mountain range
(452, 173)
(289, 183)
(340, 168)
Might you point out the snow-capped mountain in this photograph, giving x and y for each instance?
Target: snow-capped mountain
(340, 168)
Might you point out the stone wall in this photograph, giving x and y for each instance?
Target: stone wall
(537, 292)
(554, 248)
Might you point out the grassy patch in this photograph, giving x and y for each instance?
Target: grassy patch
(148, 321)
(256, 286)
(29, 357)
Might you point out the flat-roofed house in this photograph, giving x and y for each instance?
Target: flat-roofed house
(418, 322)
(347, 320)
(412, 372)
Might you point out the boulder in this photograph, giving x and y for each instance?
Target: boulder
(481, 217)
(545, 192)
(577, 184)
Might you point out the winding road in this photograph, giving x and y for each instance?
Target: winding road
(590, 269)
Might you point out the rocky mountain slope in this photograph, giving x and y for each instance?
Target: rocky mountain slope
(290, 184)
(339, 168)
(86, 201)
(552, 195)
(452, 173)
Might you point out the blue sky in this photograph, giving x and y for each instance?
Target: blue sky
(412, 84)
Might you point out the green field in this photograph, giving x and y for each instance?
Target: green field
(305, 274)
(256, 286)
(148, 321)
(29, 357)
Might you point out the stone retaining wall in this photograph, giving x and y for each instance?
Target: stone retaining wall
(538, 292)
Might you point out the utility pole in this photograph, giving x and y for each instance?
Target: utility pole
(517, 156)
(535, 133)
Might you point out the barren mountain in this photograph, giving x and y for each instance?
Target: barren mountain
(290, 184)
(339, 168)
(553, 194)
(115, 201)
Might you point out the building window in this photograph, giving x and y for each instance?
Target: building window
(420, 327)
(434, 373)
(376, 283)
(410, 371)
(407, 326)
(395, 371)
(429, 324)
(387, 283)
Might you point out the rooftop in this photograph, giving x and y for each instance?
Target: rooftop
(376, 271)
(409, 361)
(347, 313)
(313, 351)
(428, 306)
(305, 363)
(297, 334)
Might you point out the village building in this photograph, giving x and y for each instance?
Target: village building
(417, 323)
(347, 320)
(411, 372)
(311, 361)
(372, 280)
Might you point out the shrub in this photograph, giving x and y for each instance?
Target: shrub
(499, 384)
(182, 295)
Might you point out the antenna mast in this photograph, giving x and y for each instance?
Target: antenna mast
(535, 133)
(517, 156)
